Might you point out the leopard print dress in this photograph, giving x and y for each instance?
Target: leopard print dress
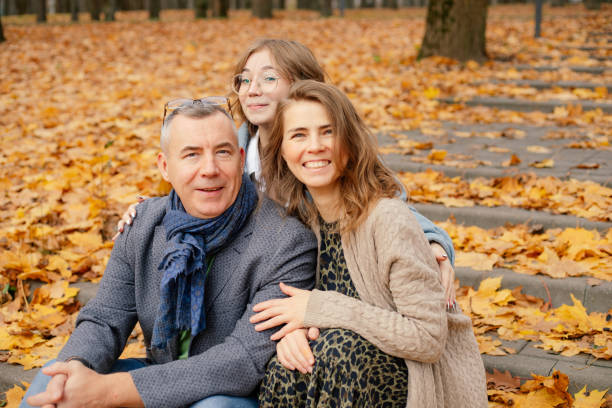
(349, 371)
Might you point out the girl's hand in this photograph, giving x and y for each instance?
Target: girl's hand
(447, 273)
(274, 312)
(293, 351)
(128, 216)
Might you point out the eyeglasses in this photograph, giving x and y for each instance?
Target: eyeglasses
(220, 101)
(266, 81)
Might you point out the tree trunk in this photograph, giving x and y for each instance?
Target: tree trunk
(74, 11)
(326, 8)
(154, 9)
(393, 4)
(220, 8)
(308, 4)
(455, 29)
(95, 9)
(368, 4)
(41, 11)
(201, 7)
(109, 13)
(262, 8)
(558, 3)
(592, 4)
(2, 37)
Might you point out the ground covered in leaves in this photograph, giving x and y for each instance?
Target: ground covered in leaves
(80, 111)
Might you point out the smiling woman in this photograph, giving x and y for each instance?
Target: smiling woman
(385, 338)
(311, 151)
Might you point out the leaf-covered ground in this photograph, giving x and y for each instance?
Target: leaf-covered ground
(584, 199)
(80, 111)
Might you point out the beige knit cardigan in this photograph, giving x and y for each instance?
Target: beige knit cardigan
(401, 309)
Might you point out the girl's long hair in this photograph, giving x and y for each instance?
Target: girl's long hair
(364, 179)
(294, 60)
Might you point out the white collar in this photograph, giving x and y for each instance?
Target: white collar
(253, 162)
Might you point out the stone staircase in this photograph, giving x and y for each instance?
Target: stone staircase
(582, 369)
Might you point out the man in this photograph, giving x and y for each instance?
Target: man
(188, 270)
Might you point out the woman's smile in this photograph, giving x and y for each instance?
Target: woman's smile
(316, 164)
(310, 148)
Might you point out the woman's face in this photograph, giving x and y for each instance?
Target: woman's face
(310, 145)
(262, 88)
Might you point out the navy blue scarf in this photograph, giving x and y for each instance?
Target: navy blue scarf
(190, 239)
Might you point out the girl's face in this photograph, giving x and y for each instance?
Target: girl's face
(262, 88)
(310, 146)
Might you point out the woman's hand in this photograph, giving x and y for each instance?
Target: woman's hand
(293, 351)
(128, 216)
(274, 312)
(447, 273)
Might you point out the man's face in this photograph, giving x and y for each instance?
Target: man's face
(203, 163)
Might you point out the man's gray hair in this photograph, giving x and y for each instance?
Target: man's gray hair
(196, 111)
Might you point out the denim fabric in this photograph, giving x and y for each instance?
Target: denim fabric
(39, 384)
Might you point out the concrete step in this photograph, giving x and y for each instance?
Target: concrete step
(526, 105)
(399, 164)
(596, 298)
(582, 370)
(493, 217)
(540, 84)
(596, 70)
(489, 145)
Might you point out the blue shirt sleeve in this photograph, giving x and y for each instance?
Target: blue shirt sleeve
(431, 230)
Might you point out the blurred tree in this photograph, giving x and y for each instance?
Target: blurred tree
(154, 9)
(326, 8)
(308, 4)
(455, 29)
(390, 4)
(201, 7)
(41, 11)
(74, 11)
(2, 38)
(109, 10)
(262, 8)
(220, 8)
(592, 4)
(95, 8)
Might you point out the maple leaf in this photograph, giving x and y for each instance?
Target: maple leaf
(503, 381)
(590, 399)
(15, 395)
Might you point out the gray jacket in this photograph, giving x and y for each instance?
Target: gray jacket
(229, 356)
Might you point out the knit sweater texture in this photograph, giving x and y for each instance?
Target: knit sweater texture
(401, 309)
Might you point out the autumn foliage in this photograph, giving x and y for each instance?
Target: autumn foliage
(80, 112)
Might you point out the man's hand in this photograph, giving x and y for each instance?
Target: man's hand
(72, 385)
(274, 312)
(84, 387)
(52, 395)
(447, 273)
(293, 351)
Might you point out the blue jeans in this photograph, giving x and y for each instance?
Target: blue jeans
(39, 384)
